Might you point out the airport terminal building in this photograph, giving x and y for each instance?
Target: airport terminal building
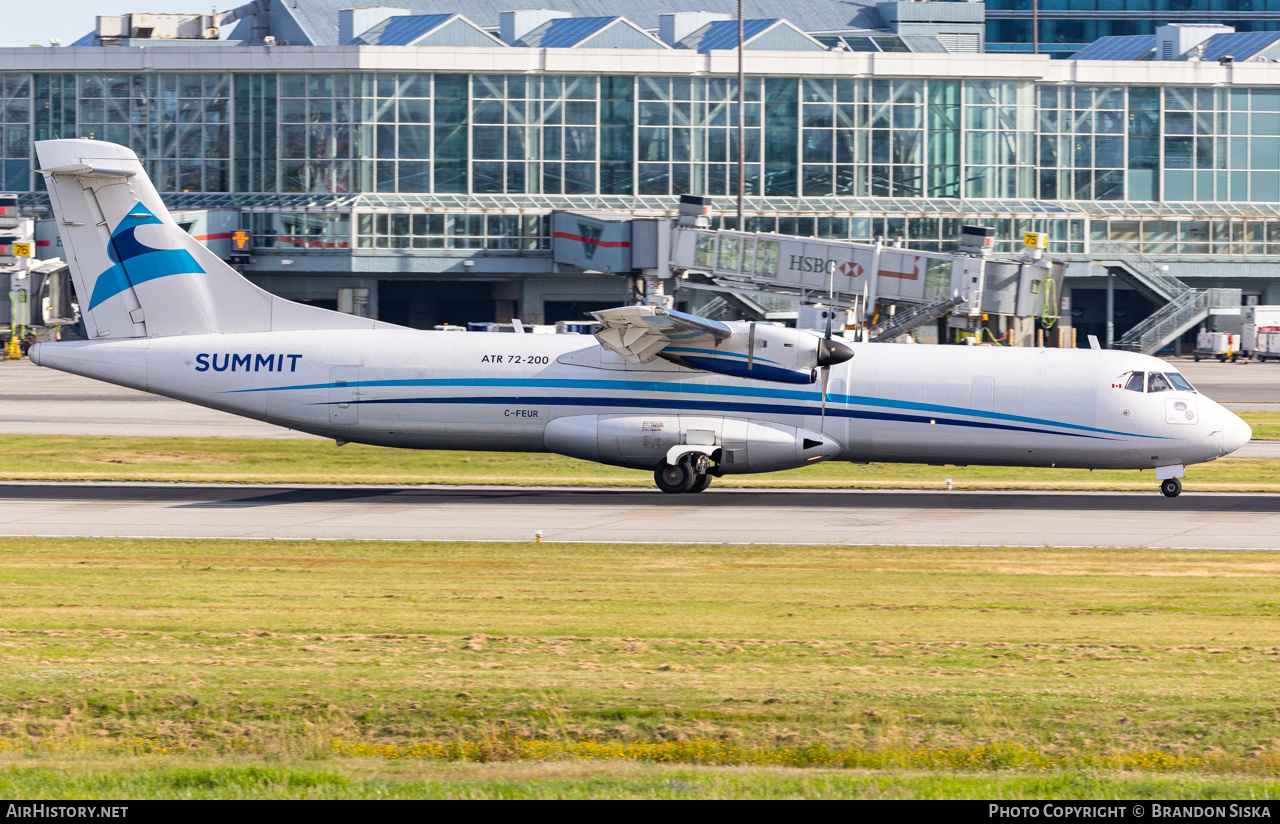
(405, 161)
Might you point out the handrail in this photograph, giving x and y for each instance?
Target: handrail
(1174, 317)
(898, 324)
(1144, 267)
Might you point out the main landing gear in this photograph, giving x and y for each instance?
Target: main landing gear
(690, 474)
(1171, 487)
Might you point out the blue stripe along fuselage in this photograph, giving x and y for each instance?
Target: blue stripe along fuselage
(993, 420)
(722, 407)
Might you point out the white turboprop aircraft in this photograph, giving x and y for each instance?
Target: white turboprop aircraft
(685, 397)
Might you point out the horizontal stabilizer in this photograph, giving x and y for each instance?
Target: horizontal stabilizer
(84, 170)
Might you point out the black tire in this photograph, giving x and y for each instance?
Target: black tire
(701, 484)
(675, 480)
(1222, 359)
(1171, 488)
(1196, 358)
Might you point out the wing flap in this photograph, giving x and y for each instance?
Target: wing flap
(640, 333)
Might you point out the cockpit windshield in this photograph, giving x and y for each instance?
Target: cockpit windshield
(1155, 382)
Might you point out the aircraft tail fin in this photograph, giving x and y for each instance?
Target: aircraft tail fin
(136, 272)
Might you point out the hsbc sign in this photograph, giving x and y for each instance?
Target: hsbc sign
(801, 263)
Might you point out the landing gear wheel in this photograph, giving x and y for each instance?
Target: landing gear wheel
(676, 479)
(1171, 487)
(704, 481)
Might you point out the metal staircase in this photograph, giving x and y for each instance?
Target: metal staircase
(747, 305)
(1140, 271)
(717, 308)
(1176, 317)
(1183, 308)
(899, 324)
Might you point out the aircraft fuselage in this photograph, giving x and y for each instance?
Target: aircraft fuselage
(490, 391)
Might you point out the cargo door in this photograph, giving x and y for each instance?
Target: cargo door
(344, 384)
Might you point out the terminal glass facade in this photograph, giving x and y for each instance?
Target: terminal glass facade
(426, 161)
(414, 133)
(1066, 26)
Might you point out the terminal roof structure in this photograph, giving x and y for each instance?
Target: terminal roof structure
(775, 34)
(589, 32)
(1240, 46)
(315, 22)
(425, 30)
(1133, 47)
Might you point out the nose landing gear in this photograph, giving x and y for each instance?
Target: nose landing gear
(1171, 487)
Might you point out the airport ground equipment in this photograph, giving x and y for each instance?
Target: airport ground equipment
(40, 294)
(966, 284)
(1221, 345)
(1260, 332)
(16, 239)
(1267, 346)
(653, 389)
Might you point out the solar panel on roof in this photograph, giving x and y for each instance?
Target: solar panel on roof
(403, 30)
(1131, 47)
(567, 32)
(1241, 45)
(722, 35)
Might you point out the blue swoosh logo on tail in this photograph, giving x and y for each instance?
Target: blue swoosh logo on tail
(136, 263)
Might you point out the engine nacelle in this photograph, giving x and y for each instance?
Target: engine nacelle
(737, 445)
(762, 351)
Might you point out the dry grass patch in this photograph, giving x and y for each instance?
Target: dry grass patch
(240, 649)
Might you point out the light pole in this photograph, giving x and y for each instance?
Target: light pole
(1035, 26)
(741, 115)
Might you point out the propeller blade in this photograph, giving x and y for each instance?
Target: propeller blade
(822, 418)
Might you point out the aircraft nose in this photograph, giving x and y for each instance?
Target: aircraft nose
(1235, 434)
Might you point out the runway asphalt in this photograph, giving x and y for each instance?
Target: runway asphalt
(1193, 521)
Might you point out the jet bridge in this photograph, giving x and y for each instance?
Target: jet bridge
(967, 281)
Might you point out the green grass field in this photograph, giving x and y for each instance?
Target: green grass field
(366, 669)
(1265, 423)
(39, 457)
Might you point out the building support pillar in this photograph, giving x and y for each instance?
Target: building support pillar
(1111, 308)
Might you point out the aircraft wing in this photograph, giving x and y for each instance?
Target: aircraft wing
(639, 333)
